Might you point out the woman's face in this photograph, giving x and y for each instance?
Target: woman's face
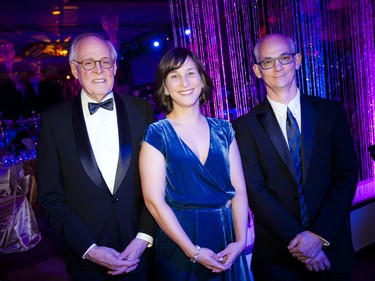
(184, 85)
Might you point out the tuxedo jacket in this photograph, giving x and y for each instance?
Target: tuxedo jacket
(72, 190)
(330, 174)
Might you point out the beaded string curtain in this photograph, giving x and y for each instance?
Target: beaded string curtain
(222, 36)
(335, 38)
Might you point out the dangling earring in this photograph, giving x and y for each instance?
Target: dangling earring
(202, 96)
(166, 93)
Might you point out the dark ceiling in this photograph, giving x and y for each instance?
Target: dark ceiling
(31, 28)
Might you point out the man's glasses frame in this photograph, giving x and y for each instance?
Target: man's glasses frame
(284, 59)
(90, 64)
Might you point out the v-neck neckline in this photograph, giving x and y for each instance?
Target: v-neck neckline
(184, 143)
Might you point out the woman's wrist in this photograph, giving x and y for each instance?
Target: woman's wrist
(195, 257)
(241, 242)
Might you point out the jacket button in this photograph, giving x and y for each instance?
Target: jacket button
(114, 200)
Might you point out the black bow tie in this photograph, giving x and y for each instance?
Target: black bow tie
(93, 107)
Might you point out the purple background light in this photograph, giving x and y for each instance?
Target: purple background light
(335, 38)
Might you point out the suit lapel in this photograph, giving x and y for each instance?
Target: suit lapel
(84, 146)
(308, 124)
(124, 141)
(267, 119)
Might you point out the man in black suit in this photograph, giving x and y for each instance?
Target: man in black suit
(300, 188)
(87, 166)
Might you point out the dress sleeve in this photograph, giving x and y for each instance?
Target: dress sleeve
(230, 133)
(228, 130)
(154, 136)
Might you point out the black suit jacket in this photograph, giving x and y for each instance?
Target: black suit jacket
(72, 191)
(330, 176)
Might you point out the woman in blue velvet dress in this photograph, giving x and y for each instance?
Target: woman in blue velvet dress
(192, 179)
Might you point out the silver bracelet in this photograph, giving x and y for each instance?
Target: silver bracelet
(196, 254)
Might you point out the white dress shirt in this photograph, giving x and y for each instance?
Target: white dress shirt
(280, 110)
(103, 134)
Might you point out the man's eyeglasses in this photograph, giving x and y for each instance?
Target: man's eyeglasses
(90, 63)
(270, 63)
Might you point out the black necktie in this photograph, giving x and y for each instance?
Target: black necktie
(294, 140)
(93, 107)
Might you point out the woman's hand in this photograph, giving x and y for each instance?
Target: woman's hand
(211, 260)
(230, 254)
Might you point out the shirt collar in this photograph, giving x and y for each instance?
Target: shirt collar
(85, 99)
(280, 108)
(294, 103)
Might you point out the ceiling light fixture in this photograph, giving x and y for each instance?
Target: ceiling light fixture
(56, 11)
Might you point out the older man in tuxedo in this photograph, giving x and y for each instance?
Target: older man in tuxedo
(301, 173)
(88, 179)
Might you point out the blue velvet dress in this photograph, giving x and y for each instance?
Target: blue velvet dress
(199, 194)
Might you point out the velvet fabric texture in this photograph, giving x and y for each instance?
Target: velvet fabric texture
(199, 195)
